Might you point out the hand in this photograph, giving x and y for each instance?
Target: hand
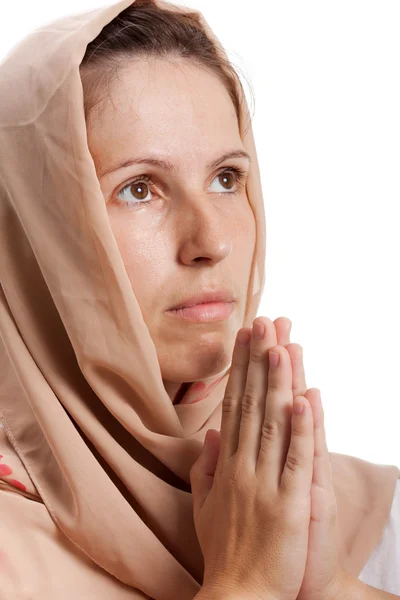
(323, 577)
(251, 485)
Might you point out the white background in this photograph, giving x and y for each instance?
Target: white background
(326, 82)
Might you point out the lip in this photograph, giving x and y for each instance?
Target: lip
(204, 313)
(204, 297)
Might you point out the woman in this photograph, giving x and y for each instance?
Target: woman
(107, 389)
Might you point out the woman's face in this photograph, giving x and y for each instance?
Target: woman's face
(190, 232)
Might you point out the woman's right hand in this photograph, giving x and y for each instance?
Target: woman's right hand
(251, 488)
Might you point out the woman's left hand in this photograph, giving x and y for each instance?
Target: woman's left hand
(323, 578)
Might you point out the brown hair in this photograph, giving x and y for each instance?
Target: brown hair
(144, 29)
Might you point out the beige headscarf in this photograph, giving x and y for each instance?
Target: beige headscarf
(99, 502)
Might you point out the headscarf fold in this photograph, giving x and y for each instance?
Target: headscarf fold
(86, 419)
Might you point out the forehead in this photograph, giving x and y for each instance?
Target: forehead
(169, 106)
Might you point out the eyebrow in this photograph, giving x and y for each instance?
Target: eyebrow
(167, 166)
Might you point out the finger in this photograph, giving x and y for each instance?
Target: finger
(298, 471)
(254, 394)
(231, 404)
(283, 327)
(277, 416)
(298, 373)
(322, 475)
(299, 388)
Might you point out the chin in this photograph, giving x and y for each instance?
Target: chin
(198, 368)
(206, 355)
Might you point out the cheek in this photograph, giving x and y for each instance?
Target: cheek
(136, 248)
(245, 236)
(145, 257)
(143, 270)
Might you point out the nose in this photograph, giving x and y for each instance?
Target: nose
(205, 233)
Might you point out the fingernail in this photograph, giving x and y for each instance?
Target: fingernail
(298, 408)
(258, 330)
(273, 358)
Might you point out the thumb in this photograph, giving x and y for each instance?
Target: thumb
(203, 469)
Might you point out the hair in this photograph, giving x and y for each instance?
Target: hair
(146, 30)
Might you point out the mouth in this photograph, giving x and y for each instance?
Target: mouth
(206, 312)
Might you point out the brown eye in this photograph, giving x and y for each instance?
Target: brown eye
(231, 180)
(227, 178)
(139, 190)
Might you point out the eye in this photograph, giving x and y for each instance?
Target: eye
(231, 176)
(140, 186)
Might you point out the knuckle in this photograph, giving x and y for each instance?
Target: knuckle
(273, 385)
(294, 462)
(229, 403)
(249, 402)
(269, 430)
(257, 356)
